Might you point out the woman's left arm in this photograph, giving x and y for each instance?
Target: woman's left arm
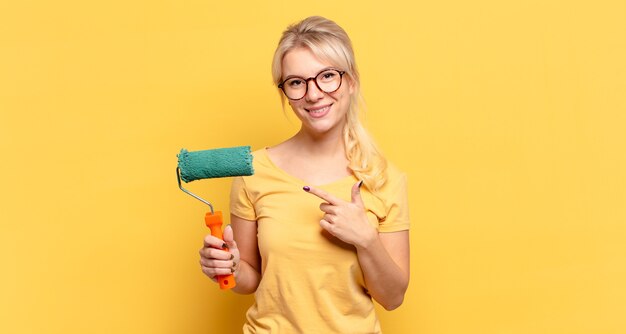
(385, 264)
(384, 257)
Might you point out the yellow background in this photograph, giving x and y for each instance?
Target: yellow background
(509, 118)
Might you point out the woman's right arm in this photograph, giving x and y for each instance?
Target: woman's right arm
(248, 266)
(242, 257)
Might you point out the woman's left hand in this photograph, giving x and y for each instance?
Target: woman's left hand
(346, 221)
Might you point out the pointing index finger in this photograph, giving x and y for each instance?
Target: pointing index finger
(321, 194)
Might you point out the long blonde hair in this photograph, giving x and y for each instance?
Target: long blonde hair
(329, 42)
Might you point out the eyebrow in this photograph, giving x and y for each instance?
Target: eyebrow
(302, 77)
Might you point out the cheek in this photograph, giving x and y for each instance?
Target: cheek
(295, 106)
(347, 91)
(297, 109)
(343, 98)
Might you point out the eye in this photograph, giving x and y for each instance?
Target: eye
(328, 75)
(295, 82)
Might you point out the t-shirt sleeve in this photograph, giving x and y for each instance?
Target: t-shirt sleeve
(240, 203)
(397, 206)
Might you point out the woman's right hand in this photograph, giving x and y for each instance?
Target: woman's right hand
(217, 261)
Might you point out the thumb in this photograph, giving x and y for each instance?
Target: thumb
(356, 194)
(229, 238)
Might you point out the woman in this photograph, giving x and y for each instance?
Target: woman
(321, 228)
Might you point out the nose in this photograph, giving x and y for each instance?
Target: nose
(313, 93)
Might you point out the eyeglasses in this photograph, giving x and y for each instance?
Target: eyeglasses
(328, 81)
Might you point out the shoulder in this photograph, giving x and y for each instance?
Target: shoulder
(263, 169)
(395, 177)
(260, 160)
(259, 154)
(395, 186)
(248, 184)
(394, 195)
(393, 170)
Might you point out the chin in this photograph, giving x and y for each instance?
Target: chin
(324, 128)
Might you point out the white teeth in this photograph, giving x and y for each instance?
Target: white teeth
(319, 111)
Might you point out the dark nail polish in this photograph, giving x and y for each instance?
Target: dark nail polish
(306, 188)
(360, 183)
(224, 245)
(232, 256)
(232, 270)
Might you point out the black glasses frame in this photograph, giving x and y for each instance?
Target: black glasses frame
(306, 90)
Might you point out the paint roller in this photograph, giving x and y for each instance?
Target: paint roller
(210, 164)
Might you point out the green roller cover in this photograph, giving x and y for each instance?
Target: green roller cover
(209, 164)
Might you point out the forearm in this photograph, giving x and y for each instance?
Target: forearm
(247, 279)
(248, 264)
(385, 280)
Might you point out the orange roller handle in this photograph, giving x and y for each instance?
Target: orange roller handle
(214, 222)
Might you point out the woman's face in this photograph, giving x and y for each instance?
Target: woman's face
(318, 111)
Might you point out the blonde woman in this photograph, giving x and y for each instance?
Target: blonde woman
(321, 228)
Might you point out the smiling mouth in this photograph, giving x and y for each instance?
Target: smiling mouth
(319, 110)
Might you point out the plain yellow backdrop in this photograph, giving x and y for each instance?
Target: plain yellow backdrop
(509, 118)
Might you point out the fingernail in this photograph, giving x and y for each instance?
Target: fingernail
(232, 256)
(232, 270)
(224, 245)
(306, 188)
(360, 183)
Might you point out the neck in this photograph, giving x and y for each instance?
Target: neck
(328, 144)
